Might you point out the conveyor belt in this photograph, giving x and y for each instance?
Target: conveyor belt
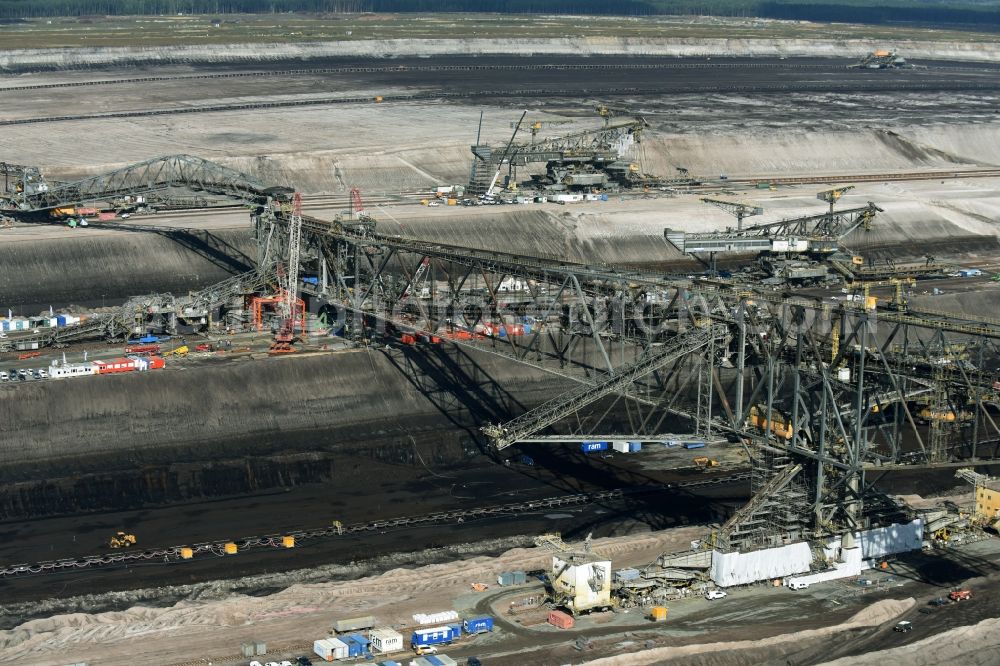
(271, 541)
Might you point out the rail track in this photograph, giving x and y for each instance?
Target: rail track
(873, 177)
(274, 541)
(856, 86)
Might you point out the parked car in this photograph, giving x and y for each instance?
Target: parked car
(715, 594)
(903, 626)
(303, 661)
(4, 377)
(44, 373)
(425, 649)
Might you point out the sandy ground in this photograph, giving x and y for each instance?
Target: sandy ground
(953, 645)
(871, 616)
(601, 45)
(294, 616)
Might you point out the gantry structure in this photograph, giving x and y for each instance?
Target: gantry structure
(591, 158)
(824, 397)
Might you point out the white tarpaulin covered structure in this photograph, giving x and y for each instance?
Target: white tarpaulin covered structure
(743, 568)
(852, 565)
(883, 541)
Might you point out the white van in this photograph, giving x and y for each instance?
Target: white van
(797, 585)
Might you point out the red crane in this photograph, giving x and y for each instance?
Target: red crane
(357, 207)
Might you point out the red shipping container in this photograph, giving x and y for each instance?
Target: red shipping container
(142, 349)
(561, 620)
(117, 365)
(156, 363)
(105, 217)
(407, 339)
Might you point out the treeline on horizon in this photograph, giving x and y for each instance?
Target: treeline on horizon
(928, 12)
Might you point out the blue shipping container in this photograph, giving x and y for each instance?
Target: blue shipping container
(694, 445)
(357, 645)
(478, 625)
(436, 635)
(60, 320)
(634, 447)
(589, 447)
(354, 648)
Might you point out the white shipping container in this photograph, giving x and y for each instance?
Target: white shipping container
(385, 640)
(779, 246)
(324, 649)
(330, 649)
(620, 445)
(72, 370)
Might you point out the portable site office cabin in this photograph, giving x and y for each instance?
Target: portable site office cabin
(436, 635)
(330, 649)
(385, 640)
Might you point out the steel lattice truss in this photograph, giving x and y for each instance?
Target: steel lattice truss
(121, 322)
(618, 380)
(837, 389)
(607, 142)
(823, 226)
(174, 171)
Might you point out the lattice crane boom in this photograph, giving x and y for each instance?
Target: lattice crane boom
(738, 209)
(294, 246)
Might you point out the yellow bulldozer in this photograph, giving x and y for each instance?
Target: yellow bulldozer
(122, 540)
